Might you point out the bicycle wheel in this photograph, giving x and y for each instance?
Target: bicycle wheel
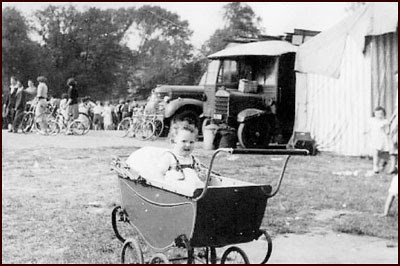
(77, 127)
(124, 126)
(53, 127)
(27, 122)
(159, 127)
(145, 130)
(86, 121)
(43, 125)
(61, 122)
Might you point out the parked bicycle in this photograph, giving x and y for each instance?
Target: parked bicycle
(71, 126)
(141, 126)
(42, 123)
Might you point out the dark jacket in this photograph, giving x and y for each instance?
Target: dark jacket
(73, 95)
(20, 101)
(11, 99)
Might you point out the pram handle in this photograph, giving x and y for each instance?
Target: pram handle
(255, 152)
(269, 151)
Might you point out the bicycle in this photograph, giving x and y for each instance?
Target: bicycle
(42, 123)
(138, 126)
(158, 121)
(72, 126)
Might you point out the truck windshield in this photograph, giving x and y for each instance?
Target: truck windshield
(264, 70)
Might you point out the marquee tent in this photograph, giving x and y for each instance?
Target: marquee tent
(342, 74)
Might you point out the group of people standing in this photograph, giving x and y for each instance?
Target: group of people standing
(16, 99)
(107, 116)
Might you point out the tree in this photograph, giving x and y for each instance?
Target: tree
(88, 45)
(240, 21)
(164, 47)
(19, 53)
(85, 45)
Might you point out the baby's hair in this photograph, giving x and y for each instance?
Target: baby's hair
(181, 125)
(380, 108)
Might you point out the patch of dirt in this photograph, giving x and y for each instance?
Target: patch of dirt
(326, 215)
(323, 246)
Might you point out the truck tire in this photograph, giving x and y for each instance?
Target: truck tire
(254, 134)
(187, 115)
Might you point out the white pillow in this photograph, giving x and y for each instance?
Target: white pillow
(145, 160)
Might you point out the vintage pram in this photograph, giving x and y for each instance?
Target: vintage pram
(224, 212)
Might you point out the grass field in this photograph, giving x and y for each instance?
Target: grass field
(57, 200)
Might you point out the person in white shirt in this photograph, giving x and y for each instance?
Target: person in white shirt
(41, 95)
(64, 106)
(107, 116)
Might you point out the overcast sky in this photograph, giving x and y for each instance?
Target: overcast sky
(205, 17)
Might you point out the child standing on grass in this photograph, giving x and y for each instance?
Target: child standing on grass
(178, 165)
(380, 138)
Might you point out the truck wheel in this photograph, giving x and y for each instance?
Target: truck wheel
(188, 115)
(254, 134)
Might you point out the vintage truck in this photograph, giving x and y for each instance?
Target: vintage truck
(251, 88)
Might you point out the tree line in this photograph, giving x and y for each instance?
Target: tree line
(60, 42)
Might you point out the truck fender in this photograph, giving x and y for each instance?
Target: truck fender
(248, 114)
(174, 105)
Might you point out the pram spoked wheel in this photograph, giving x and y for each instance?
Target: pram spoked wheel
(269, 246)
(234, 255)
(159, 258)
(131, 252)
(118, 218)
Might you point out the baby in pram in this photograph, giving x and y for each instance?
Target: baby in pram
(173, 169)
(178, 165)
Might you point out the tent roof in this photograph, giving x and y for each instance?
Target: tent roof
(323, 54)
(266, 48)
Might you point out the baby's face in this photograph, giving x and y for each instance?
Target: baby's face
(184, 143)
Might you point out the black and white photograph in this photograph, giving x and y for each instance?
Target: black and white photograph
(199, 132)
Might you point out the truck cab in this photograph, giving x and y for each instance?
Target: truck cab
(251, 87)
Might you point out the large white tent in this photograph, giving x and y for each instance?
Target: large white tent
(343, 74)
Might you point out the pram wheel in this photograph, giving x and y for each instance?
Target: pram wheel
(118, 216)
(269, 246)
(207, 255)
(159, 258)
(234, 255)
(131, 252)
